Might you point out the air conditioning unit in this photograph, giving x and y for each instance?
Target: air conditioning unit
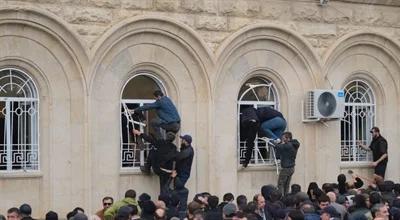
(324, 104)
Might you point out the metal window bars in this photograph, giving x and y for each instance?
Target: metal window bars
(19, 122)
(358, 119)
(257, 93)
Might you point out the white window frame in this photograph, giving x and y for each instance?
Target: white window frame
(33, 163)
(256, 158)
(140, 102)
(356, 153)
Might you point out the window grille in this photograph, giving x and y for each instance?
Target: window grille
(359, 118)
(19, 121)
(138, 91)
(256, 92)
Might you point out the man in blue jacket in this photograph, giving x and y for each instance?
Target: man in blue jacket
(168, 116)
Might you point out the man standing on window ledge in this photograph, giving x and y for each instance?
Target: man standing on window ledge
(168, 117)
(379, 149)
(288, 151)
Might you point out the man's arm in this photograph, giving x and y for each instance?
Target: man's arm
(363, 146)
(147, 107)
(184, 154)
(145, 137)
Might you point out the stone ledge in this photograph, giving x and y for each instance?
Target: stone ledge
(373, 2)
(355, 165)
(254, 168)
(130, 171)
(21, 174)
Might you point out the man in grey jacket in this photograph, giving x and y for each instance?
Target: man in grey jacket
(287, 150)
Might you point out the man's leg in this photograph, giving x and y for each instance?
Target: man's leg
(164, 177)
(288, 179)
(271, 125)
(282, 180)
(280, 127)
(174, 127)
(250, 136)
(156, 125)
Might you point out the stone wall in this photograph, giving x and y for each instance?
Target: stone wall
(214, 20)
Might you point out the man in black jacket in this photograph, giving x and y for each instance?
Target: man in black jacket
(266, 120)
(288, 151)
(379, 148)
(161, 157)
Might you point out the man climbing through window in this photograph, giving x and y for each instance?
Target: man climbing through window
(265, 121)
(168, 116)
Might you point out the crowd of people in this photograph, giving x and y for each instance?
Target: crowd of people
(342, 200)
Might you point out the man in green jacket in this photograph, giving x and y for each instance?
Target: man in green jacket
(130, 199)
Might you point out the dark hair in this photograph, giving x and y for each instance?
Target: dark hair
(290, 201)
(295, 188)
(288, 135)
(359, 201)
(375, 208)
(71, 214)
(396, 188)
(241, 201)
(324, 198)
(25, 209)
(78, 209)
(375, 198)
(13, 209)
(130, 194)
(213, 201)
(228, 197)
(108, 198)
(296, 215)
(158, 93)
(376, 129)
(250, 207)
(312, 186)
(193, 206)
(327, 187)
(275, 195)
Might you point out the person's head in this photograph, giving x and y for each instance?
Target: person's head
(229, 210)
(290, 201)
(295, 215)
(259, 200)
(51, 216)
(228, 197)
(130, 193)
(134, 210)
(213, 202)
(124, 213)
(160, 204)
(198, 215)
(287, 136)
(375, 132)
(148, 207)
(80, 216)
(13, 214)
(192, 207)
(380, 211)
(329, 212)
(158, 94)
(241, 201)
(332, 196)
(307, 207)
(160, 214)
(327, 187)
(25, 210)
(186, 140)
(107, 202)
(360, 201)
(375, 198)
(323, 201)
(250, 207)
(312, 187)
(295, 188)
(275, 195)
(78, 210)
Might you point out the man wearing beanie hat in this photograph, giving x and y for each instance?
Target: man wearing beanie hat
(26, 211)
(184, 160)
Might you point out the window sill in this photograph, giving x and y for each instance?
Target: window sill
(264, 167)
(132, 171)
(20, 174)
(366, 164)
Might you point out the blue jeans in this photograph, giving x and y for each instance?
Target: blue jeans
(274, 127)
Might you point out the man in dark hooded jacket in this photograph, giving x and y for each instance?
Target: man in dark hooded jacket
(287, 151)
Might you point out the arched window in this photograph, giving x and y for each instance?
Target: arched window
(256, 92)
(359, 118)
(19, 125)
(136, 92)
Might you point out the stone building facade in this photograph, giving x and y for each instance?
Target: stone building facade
(77, 58)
